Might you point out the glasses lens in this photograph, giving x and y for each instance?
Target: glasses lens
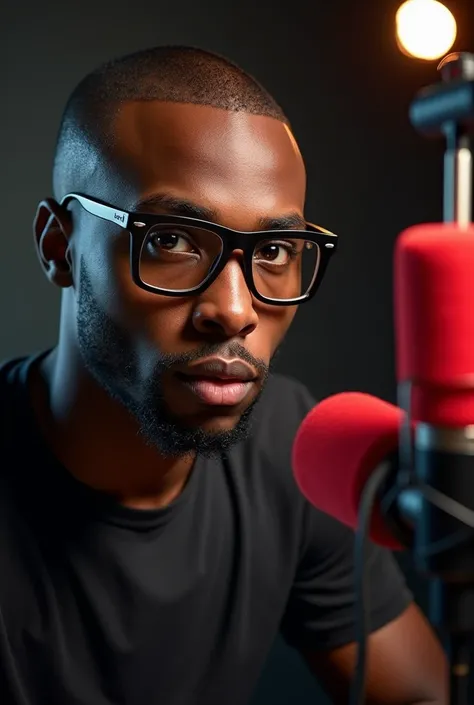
(285, 268)
(178, 258)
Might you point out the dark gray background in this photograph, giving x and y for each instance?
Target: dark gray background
(335, 69)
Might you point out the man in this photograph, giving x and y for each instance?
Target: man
(152, 539)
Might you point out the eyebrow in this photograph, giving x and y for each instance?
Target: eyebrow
(174, 206)
(183, 207)
(290, 221)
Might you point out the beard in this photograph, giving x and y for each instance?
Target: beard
(112, 360)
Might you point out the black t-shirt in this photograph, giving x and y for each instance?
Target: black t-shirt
(101, 604)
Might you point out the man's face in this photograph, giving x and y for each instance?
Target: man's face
(144, 348)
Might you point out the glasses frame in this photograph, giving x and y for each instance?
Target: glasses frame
(139, 225)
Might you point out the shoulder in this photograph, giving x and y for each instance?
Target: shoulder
(14, 399)
(264, 459)
(13, 375)
(15, 371)
(264, 463)
(10, 379)
(283, 406)
(9, 366)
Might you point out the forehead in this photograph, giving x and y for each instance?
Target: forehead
(229, 161)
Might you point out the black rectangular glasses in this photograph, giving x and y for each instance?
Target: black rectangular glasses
(179, 256)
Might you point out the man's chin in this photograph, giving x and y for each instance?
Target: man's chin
(204, 434)
(174, 441)
(208, 420)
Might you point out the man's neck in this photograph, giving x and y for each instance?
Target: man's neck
(97, 440)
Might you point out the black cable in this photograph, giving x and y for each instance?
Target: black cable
(368, 498)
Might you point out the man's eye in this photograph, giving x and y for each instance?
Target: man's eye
(170, 241)
(278, 253)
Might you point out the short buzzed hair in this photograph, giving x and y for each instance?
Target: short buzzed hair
(179, 74)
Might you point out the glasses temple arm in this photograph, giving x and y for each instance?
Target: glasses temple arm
(99, 209)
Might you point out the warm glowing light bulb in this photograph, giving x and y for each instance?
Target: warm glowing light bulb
(426, 29)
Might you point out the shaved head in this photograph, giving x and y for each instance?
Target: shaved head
(175, 74)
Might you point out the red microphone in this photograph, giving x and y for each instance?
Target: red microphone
(346, 437)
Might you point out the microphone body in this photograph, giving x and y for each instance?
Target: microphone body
(434, 323)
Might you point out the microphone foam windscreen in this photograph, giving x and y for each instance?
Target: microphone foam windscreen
(339, 444)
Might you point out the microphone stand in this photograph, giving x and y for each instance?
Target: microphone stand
(436, 475)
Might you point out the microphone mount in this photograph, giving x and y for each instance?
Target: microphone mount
(436, 466)
(447, 108)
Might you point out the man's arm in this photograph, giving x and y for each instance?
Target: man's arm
(406, 665)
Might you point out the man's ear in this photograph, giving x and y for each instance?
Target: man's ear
(52, 229)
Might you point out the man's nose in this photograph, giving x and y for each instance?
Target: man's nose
(226, 308)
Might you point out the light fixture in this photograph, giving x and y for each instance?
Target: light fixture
(425, 29)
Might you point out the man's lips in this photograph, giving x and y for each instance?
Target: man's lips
(217, 391)
(218, 381)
